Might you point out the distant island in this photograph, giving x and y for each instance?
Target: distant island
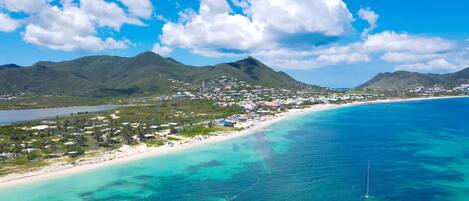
(164, 103)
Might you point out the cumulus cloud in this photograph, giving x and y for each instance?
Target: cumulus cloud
(7, 24)
(25, 6)
(72, 25)
(330, 17)
(162, 50)
(349, 58)
(392, 41)
(397, 57)
(404, 51)
(371, 17)
(139, 8)
(105, 13)
(213, 32)
(265, 27)
(216, 31)
(432, 65)
(416, 53)
(283, 33)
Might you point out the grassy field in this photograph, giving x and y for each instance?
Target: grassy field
(182, 112)
(20, 165)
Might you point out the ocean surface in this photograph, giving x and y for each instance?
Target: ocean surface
(14, 116)
(418, 151)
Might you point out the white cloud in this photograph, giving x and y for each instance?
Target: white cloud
(348, 54)
(213, 32)
(7, 24)
(216, 31)
(389, 41)
(432, 65)
(330, 17)
(162, 50)
(266, 29)
(243, 4)
(26, 6)
(350, 58)
(416, 53)
(139, 8)
(70, 28)
(72, 25)
(313, 58)
(107, 14)
(397, 57)
(371, 17)
(283, 57)
(402, 50)
(58, 39)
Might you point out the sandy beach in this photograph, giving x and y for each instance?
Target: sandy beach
(132, 153)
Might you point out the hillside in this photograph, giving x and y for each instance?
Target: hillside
(43, 79)
(145, 73)
(9, 66)
(250, 70)
(403, 80)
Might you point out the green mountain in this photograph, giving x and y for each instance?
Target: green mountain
(9, 66)
(145, 73)
(39, 78)
(249, 70)
(403, 80)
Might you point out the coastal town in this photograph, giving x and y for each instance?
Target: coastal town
(438, 89)
(190, 114)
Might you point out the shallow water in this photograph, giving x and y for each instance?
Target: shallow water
(13, 116)
(417, 151)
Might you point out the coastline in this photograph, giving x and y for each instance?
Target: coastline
(128, 154)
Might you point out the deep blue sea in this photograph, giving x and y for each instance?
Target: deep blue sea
(418, 151)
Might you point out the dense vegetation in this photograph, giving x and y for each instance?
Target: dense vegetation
(183, 112)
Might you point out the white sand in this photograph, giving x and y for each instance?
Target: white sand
(128, 153)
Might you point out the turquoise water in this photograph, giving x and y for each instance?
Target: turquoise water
(417, 151)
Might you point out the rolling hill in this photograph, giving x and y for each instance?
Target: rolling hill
(403, 80)
(145, 73)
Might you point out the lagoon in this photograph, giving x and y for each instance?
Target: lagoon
(14, 116)
(417, 150)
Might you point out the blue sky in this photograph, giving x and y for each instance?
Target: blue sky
(317, 41)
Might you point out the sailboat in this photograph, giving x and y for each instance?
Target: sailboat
(367, 194)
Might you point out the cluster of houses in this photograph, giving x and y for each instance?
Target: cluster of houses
(232, 92)
(70, 137)
(464, 88)
(6, 97)
(439, 90)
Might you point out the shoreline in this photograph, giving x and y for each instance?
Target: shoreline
(127, 154)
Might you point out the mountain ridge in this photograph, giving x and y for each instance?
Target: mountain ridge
(147, 72)
(405, 80)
